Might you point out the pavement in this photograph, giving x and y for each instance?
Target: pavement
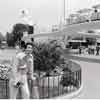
(91, 80)
(7, 53)
(90, 65)
(88, 56)
(84, 57)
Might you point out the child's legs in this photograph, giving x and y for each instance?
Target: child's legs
(13, 91)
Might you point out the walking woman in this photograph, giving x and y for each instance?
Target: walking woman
(22, 70)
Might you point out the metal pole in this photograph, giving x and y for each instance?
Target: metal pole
(64, 9)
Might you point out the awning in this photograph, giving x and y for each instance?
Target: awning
(73, 15)
(98, 41)
(85, 10)
(96, 6)
(76, 41)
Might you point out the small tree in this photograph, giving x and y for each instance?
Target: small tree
(1, 37)
(47, 57)
(9, 39)
(18, 30)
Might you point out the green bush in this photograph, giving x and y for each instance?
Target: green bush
(67, 80)
(47, 56)
(4, 71)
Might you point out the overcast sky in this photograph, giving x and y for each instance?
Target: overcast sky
(43, 12)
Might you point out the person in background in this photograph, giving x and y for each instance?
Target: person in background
(22, 70)
(80, 49)
(97, 50)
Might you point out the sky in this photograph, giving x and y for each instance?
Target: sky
(44, 13)
(75, 5)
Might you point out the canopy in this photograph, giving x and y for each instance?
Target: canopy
(86, 10)
(98, 40)
(96, 6)
(73, 15)
(76, 41)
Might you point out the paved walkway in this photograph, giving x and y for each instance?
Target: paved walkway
(90, 77)
(84, 57)
(91, 80)
(88, 56)
(90, 65)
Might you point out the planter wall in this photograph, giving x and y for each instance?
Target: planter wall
(51, 81)
(49, 86)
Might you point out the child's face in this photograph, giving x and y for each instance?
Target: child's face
(25, 33)
(17, 47)
(29, 49)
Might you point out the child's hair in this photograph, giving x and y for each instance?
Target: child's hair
(29, 43)
(22, 44)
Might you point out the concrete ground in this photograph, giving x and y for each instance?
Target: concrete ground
(91, 80)
(88, 56)
(7, 54)
(90, 77)
(90, 65)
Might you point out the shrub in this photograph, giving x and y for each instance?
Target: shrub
(5, 70)
(47, 56)
(67, 80)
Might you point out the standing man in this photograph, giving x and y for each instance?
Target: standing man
(22, 70)
(80, 49)
(97, 50)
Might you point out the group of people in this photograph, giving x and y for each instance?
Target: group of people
(22, 71)
(91, 50)
(94, 50)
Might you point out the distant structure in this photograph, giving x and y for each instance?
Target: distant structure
(27, 19)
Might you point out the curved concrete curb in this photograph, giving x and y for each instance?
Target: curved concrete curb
(95, 59)
(71, 95)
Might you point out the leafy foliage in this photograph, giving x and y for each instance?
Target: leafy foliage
(1, 37)
(16, 33)
(67, 80)
(47, 56)
(5, 70)
(9, 39)
(18, 30)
